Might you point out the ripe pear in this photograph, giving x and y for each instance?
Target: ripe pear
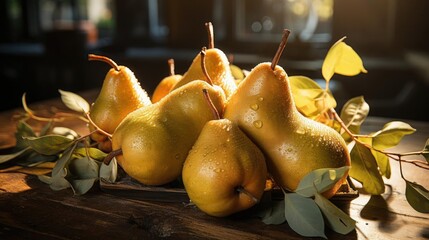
(166, 84)
(225, 172)
(217, 68)
(154, 140)
(120, 94)
(294, 145)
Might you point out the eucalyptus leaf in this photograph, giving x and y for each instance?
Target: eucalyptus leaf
(109, 173)
(391, 134)
(335, 218)
(58, 182)
(82, 186)
(65, 132)
(304, 216)
(276, 214)
(34, 159)
(425, 151)
(365, 170)
(83, 168)
(320, 180)
(74, 101)
(341, 59)
(11, 156)
(93, 153)
(23, 130)
(49, 144)
(417, 196)
(63, 161)
(354, 113)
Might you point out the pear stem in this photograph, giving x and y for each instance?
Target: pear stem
(93, 57)
(279, 52)
(203, 65)
(211, 104)
(111, 155)
(171, 65)
(209, 27)
(241, 189)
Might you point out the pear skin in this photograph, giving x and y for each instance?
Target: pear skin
(225, 172)
(155, 139)
(294, 145)
(165, 86)
(217, 66)
(119, 95)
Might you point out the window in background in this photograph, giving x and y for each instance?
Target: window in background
(310, 20)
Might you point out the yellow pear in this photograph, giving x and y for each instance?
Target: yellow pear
(217, 68)
(152, 143)
(120, 94)
(225, 172)
(294, 145)
(166, 84)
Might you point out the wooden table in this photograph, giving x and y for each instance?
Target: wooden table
(29, 209)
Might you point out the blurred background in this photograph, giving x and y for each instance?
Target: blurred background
(44, 44)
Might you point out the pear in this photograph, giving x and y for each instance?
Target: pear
(225, 172)
(151, 143)
(294, 145)
(166, 84)
(217, 68)
(120, 94)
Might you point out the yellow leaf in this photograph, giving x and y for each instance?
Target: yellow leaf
(342, 59)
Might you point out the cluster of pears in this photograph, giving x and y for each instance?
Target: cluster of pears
(223, 139)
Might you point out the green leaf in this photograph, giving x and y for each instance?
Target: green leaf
(65, 132)
(304, 216)
(425, 151)
(8, 157)
(342, 59)
(275, 214)
(309, 97)
(383, 163)
(354, 113)
(82, 186)
(320, 180)
(417, 196)
(236, 72)
(336, 219)
(93, 153)
(391, 134)
(365, 170)
(23, 130)
(74, 101)
(49, 144)
(109, 172)
(82, 168)
(45, 130)
(63, 161)
(34, 159)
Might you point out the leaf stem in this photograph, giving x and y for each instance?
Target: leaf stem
(111, 155)
(280, 49)
(209, 27)
(93, 57)
(394, 156)
(203, 65)
(211, 104)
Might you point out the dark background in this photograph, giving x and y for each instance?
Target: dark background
(391, 36)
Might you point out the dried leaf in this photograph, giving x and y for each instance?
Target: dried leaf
(417, 196)
(342, 59)
(304, 216)
(365, 170)
(320, 180)
(335, 218)
(74, 101)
